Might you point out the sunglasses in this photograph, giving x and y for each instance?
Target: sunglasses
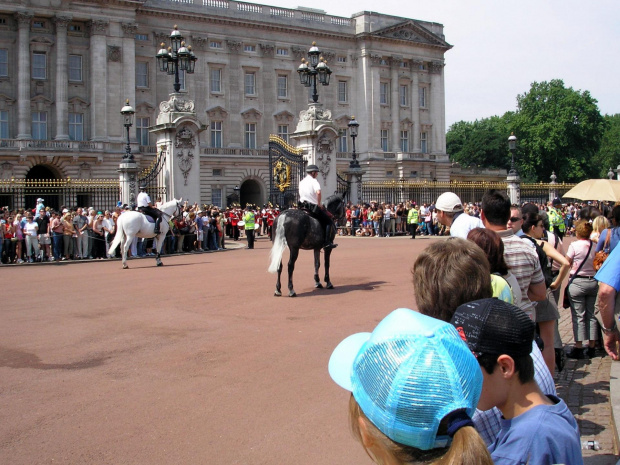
(514, 219)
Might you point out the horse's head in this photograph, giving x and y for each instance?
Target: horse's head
(335, 205)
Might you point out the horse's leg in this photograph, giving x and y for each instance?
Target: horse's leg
(278, 292)
(328, 283)
(291, 267)
(160, 243)
(125, 245)
(317, 265)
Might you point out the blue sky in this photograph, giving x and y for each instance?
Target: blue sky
(501, 47)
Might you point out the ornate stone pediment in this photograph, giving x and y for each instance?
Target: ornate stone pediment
(40, 103)
(284, 117)
(78, 105)
(406, 123)
(145, 108)
(411, 31)
(217, 113)
(5, 102)
(342, 121)
(252, 114)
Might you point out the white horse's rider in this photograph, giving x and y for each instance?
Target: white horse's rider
(146, 206)
(310, 194)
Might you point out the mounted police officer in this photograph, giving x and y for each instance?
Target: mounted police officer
(146, 206)
(310, 197)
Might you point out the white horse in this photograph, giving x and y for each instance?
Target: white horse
(135, 224)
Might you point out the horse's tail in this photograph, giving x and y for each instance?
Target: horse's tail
(118, 237)
(279, 244)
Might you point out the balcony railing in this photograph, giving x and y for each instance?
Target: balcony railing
(25, 145)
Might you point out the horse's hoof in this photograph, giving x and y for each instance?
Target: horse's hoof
(277, 293)
(318, 285)
(160, 264)
(125, 267)
(329, 286)
(292, 294)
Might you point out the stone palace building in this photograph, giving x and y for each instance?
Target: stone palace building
(67, 67)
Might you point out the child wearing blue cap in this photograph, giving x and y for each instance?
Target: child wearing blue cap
(414, 385)
(536, 429)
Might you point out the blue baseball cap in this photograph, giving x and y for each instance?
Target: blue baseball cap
(407, 375)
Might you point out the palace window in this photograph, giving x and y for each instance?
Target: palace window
(216, 80)
(403, 95)
(404, 141)
(39, 65)
(283, 132)
(282, 52)
(75, 68)
(250, 135)
(76, 126)
(422, 97)
(250, 83)
(142, 37)
(217, 171)
(4, 62)
(385, 140)
(282, 86)
(424, 142)
(39, 125)
(142, 74)
(384, 93)
(249, 48)
(215, 44)
(182, 79)
(216, 134)
(216, 196)
(341, 59)
(343, 141)
(342, 92)
(4, 124)
(142, 130)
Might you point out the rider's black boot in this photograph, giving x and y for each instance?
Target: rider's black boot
(329, 244)
(157, 223)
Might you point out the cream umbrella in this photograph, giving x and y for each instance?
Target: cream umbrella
(595, 189)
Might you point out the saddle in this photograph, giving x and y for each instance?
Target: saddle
(148, 218)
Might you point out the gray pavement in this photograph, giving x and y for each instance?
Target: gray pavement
(587, 387)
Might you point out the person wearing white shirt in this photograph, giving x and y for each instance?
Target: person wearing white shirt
(450, 213)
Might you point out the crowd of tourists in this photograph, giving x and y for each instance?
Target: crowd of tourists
(467, 379)
(44, 234)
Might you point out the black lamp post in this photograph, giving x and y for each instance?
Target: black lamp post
(512, 146)
(315, 67)
(353, 125)
(127, 111)
(177, 57)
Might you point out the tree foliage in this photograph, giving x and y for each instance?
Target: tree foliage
(558, 129)
(609, 154)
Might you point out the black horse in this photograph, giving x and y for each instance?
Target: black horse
(298, 230)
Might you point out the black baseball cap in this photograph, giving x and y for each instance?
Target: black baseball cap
(494, 327)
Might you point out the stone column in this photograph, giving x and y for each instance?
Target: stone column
(98, 80)
(62, 81)
(354, 176)
(438, 131)
(553, 187)
(514, 188)
(129, 61)
(395, 107)
(415, 105)
(128, 172)
(24, 122)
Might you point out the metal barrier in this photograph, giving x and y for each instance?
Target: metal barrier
(101, 194)
(427, 192)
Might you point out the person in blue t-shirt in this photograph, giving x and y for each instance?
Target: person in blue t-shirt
(536, 429)
(608, 301)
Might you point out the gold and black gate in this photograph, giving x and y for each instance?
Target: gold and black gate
(286, 169)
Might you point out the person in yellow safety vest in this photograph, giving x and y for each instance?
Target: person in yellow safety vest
(412, 219)
(249, 220)
(556, 221)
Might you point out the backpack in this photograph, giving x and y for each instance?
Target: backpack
(545, 265)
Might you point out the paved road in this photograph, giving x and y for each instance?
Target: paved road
(195, 362)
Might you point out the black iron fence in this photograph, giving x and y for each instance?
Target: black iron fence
(427, 192)
(101, 194)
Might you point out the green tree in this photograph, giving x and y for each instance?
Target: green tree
(609, 154)
(559, 129)
(483, 142)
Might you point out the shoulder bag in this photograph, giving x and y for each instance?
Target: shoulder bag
(602, 255)
(566, 299)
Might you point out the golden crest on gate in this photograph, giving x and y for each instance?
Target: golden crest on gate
(282, 175)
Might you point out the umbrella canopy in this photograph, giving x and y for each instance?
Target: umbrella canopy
(595, 189)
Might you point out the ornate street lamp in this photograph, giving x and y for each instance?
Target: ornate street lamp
(512, 146)
(353, 126)
(313, 69)
(127, 111)
(177, 57)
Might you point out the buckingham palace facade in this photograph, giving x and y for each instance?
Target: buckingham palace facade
(67, 67)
